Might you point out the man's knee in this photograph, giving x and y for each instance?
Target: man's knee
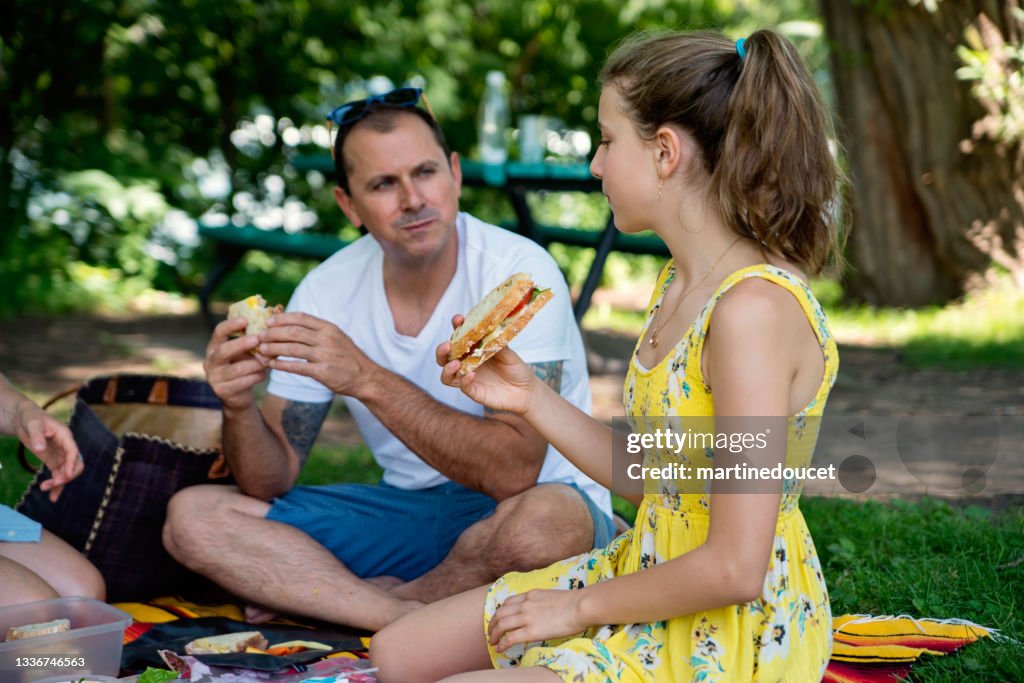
(197, 517)
(539, 526)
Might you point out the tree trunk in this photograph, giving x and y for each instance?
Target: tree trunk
(925, 185)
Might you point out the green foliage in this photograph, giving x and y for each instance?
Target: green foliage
(115, 116)
(151, 675)
(273, 277)
(997, 71)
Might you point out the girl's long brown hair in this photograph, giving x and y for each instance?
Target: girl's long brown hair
(760, 124)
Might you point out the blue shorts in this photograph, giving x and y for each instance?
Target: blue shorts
(382, 530)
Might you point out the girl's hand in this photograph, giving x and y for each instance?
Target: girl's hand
(504, 382)
(51, 441)
(536, 615)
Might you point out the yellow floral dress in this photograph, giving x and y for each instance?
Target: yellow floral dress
(785, 634)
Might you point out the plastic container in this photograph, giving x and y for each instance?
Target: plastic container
(79, 678)
(493, 120)
(92, 646)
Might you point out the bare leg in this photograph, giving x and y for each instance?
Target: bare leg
(20, 584)
(257, 614)
(532, 674)
(439, 640)
(542, 525)
(385, 582)
(60, 566)
(222, 534)
(444, 639)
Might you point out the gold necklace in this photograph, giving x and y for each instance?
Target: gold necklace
(656, 328)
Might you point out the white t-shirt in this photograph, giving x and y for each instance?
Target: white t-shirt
(348, 290)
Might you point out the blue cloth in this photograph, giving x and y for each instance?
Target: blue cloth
(382, 530)
(17, 528)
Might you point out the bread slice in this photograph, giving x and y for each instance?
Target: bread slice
(35, 630)
(254, 309)
(226, 643)
(489, 313)
(500, 337)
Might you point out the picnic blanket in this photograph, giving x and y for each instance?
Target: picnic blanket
(869, 648)
(865, 648)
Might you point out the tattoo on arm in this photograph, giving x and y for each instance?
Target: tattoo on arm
(549, 372)
(301, 423)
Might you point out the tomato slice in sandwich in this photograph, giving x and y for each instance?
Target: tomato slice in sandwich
(522, 304)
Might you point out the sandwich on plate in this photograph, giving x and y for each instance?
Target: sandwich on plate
(496, 320)
(226, 643)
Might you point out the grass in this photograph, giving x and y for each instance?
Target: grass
(931, 559)
(985, 329)
(13, 478)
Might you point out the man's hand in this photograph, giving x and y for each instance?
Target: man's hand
(536, 615)
(231, 368)
(52, 443)
(324, 352)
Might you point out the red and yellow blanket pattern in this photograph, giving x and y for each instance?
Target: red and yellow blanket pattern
(865, 648)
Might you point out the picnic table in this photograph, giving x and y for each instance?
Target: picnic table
(516, 179)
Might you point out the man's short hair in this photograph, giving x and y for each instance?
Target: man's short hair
(381, 118)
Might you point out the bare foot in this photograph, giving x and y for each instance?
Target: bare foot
(386, 582)
(257, 614)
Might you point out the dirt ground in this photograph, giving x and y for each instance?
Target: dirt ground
(47, 355)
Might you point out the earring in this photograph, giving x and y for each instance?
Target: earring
(661, 184)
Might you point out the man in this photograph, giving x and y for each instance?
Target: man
(459, 504)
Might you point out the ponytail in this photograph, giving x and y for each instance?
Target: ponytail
(777, 178)
(759, 122)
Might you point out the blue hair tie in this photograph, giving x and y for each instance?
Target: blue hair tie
(740, 49)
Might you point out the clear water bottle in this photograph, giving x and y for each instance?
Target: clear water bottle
(493, 120)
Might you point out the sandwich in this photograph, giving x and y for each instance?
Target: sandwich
(227, 643)
(35, 630)
(255, 310)
(496, 320)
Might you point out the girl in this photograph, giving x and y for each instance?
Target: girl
(722, 149)
(34, 563)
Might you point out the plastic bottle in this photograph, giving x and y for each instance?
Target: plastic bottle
(493, 120)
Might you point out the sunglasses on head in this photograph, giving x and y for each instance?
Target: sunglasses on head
(351, 112)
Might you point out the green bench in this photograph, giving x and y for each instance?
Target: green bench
(516, 179)
(232, 242)
(628, 244)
